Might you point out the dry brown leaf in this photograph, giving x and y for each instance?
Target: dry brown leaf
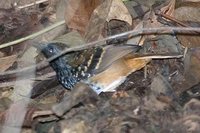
(97, 21)
(192, 66)
(7, 62)
(60, 6)
(90, 21)
(119, 11)
(191, 71)
(190, 15)
(107, 11)
(74, 127)
(169, 9)
(15, 110)
(192, 107)
(185, 12)
(78, 13)
(189, 41)
(136, 10)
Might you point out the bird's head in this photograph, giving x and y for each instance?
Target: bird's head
(49, 50)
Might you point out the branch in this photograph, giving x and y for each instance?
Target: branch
(32, 4)
(32, 35)
(144, 31)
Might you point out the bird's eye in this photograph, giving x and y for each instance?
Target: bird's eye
(51, 50)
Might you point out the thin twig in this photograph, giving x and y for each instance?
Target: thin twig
(173, 19)
(42, 113)
(144, 31)
(32, 35)
(145, 67)
(185, 52)
(159, 56)
(32, 4)
(39, 78)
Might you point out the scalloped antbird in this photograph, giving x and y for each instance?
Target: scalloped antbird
(88, 65)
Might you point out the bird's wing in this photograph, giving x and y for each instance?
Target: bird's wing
(96, 60)
(112, 53)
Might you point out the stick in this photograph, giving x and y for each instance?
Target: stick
(32, 4)
(144, 31)
(32, 35)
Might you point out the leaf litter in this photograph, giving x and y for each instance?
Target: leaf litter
(160, 92)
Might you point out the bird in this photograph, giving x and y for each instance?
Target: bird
(86, 65)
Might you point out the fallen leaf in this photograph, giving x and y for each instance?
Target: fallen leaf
(78, 13)
(108, 11)
(114, 27)
(191, 71)
(190, 15)
(15, 110)
(192, 65)
(192, 107)
(169, 9)
(136, 10)
(7, 62)
(60, 8)
(119, 11)
(90, 21)
(187, 14)
(97, 21)
(74, 127)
